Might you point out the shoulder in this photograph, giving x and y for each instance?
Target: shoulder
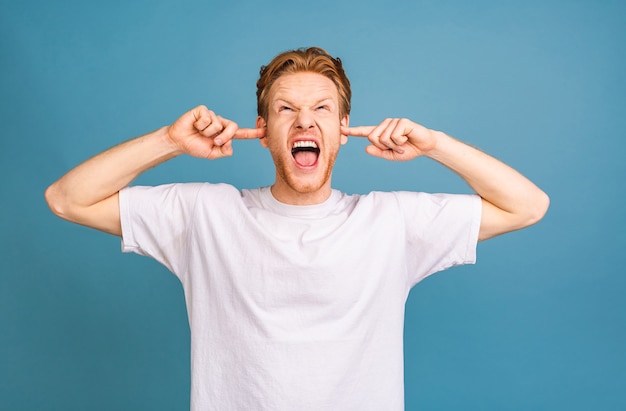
(177, 193)
(420, 203)
(392, 198)
(180, 189)
(422, 198)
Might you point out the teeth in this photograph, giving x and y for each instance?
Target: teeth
(303, 144)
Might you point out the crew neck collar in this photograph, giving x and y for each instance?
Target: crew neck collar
(302, 211)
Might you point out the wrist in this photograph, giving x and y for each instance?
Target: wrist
(168, 146)
(440, 141)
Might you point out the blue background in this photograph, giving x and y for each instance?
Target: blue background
(539, 323)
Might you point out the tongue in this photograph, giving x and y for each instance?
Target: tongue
(305, 158)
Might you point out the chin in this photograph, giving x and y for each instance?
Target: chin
(303, 187)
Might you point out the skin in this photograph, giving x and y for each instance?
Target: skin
(89, 193)
(303, 106)
(509, 200)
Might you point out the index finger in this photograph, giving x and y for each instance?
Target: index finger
(249, 133)
(359, 131)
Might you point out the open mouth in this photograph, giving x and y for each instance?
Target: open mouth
(305, 153)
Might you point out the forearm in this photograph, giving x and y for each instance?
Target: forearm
(511, 201)
(79, 192)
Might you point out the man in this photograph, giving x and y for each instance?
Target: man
(296, 292)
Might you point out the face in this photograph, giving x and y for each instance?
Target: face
(303, 136)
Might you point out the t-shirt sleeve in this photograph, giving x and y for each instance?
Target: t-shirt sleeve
(156, 222)
(442, 231)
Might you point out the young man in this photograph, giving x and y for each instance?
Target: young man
(296, 292)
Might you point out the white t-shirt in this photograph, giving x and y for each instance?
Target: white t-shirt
(297, 307)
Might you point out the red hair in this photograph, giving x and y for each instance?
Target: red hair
(312, 59)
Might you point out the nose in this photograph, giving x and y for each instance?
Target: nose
(305, 120)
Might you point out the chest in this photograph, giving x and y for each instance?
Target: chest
(304, 278)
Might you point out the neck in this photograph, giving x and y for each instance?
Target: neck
(288, 195)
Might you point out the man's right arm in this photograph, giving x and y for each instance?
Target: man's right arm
(89, 194)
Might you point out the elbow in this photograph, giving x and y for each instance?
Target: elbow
(496, 221)
(539, 208)
(54, 200)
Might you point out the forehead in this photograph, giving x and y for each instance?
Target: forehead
(303, 86)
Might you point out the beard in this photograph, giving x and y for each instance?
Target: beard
(304, 183)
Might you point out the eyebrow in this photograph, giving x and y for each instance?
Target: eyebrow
(284, 100)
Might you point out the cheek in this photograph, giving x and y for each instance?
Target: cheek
(274, 145)
(332, 129)
(276, 128)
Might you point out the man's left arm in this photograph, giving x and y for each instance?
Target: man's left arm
(510, 200)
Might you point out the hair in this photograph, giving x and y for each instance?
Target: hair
(312, 59)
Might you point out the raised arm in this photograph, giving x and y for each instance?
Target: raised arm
(88, 194)
(510, 200)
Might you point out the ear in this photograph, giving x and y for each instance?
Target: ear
(260, 123)
(345, 122)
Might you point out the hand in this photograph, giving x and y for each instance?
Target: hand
(202, 133)
(397, 139)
